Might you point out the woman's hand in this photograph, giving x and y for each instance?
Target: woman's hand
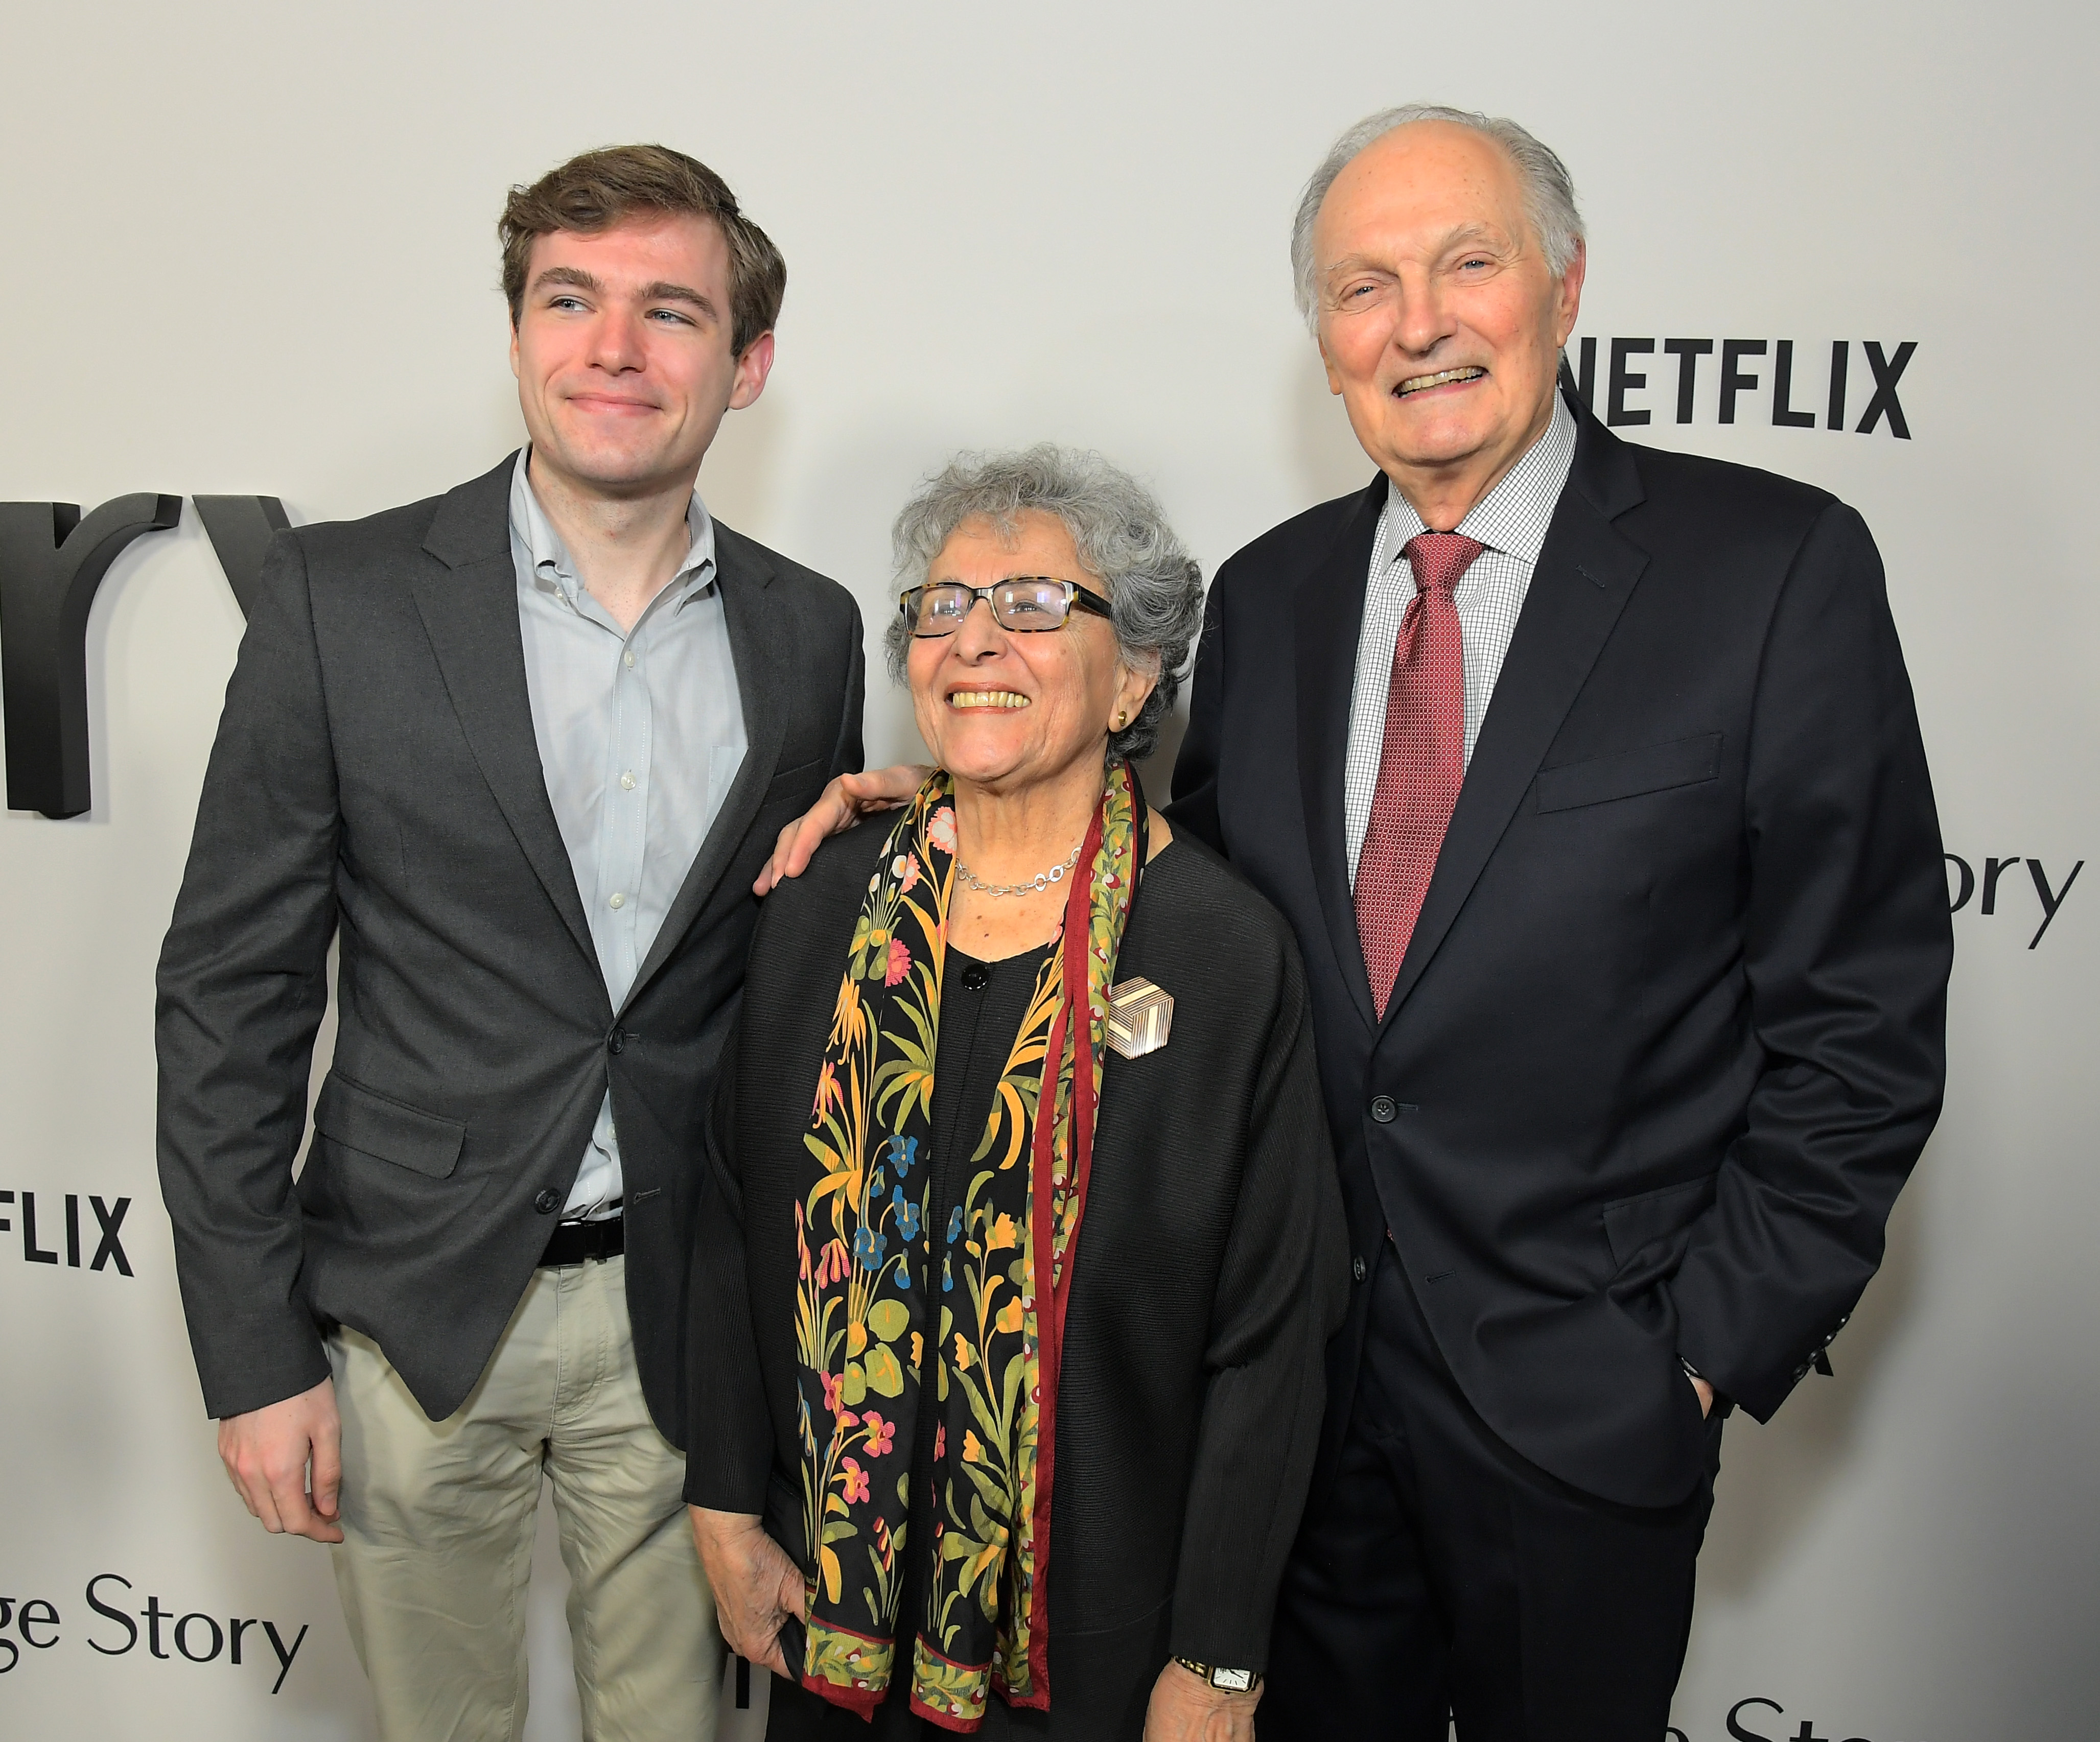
(843, 803)
(756, 1586)
(1185, 1708)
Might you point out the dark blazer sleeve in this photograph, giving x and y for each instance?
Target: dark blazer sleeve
(849, 757)
(1195, 805)
(1280, 1294)
(728, 1438)
(243, 984)
(1847, 949)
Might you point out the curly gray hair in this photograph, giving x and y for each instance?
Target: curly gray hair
(1549, 191)
(1154, 587)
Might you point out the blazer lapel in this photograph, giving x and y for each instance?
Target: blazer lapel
(469, 611)
(762, 651)
(1587, 571)
(1330, 617)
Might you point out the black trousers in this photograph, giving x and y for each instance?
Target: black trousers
(1440, 1575)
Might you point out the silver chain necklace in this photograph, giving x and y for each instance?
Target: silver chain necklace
(1036, 885)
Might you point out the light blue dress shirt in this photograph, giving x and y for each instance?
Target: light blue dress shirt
(640, 733)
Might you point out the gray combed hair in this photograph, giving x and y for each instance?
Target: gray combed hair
(1549, 193)
(1154, 587)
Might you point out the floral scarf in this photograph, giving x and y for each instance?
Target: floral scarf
(987, 1330)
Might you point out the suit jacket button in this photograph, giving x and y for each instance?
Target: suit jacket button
(616, 1041)
(1359, 1268)
(548, 1202)
(1384, 1109)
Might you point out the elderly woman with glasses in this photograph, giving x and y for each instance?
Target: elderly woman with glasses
(1022, 1238)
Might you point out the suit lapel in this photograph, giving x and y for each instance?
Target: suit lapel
(1587, 571)
(1329, 619)
(762, 652)
(469, 611)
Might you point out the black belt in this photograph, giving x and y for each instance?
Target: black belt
(572, 1242)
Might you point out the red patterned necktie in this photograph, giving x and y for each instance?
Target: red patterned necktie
(1423, 762)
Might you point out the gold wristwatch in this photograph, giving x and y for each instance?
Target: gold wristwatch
(1225, 1681)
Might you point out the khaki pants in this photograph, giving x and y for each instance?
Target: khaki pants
(438, 1519)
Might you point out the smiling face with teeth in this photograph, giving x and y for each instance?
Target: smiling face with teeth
(1440, 321)
(1001, 711)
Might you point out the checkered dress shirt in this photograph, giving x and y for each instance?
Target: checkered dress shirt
(1510, 520)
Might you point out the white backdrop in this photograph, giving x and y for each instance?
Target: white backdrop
(249, 248)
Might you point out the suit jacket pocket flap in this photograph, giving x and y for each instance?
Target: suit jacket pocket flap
(805, 777)
(1627, 773)
(349, 1114)
(1631, 1222)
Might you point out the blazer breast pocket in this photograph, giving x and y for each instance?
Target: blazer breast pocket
(805, 780)
(1629, 773)
(349, 1114)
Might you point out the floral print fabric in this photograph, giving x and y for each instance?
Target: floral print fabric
(985, 1327)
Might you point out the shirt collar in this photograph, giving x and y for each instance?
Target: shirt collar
(552, 565)
(1512, 518)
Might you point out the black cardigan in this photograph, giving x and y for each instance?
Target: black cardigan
(1211, 1269)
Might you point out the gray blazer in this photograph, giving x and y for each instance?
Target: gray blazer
(376, 783)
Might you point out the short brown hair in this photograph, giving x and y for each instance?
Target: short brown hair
(602, 188)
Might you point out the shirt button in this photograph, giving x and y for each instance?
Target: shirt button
(976, 976)
(621, 901)
(1384, 1109)
(627, 782)
(627, 658)
(548, 1202)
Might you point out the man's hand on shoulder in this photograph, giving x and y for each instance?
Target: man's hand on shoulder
(843, 803)
(270, 1453)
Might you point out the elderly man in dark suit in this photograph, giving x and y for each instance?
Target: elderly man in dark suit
(518, 751)
(1589, 779)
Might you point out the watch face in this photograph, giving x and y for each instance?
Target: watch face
(1232, 1681)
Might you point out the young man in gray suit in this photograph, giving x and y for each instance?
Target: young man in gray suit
(519, 752)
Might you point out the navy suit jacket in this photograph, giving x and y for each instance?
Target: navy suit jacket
(1670, 1034)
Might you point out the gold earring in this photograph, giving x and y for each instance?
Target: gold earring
(1121, 716)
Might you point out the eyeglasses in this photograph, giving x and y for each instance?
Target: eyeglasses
(1030, 604)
